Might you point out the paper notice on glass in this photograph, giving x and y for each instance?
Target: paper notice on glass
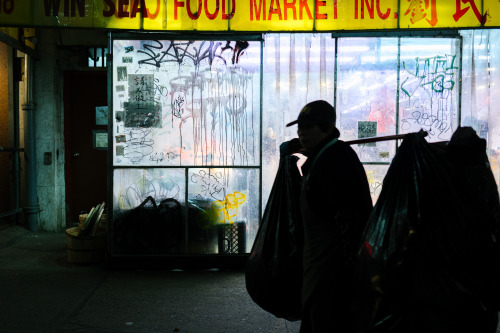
(367, 129)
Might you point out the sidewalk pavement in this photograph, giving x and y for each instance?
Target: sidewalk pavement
(40, 291)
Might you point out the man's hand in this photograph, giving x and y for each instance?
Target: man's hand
(290, 147)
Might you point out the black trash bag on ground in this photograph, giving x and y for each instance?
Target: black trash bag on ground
(148, 228)
(274, 269)
(430, 243)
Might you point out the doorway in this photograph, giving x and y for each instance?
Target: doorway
(85, 114)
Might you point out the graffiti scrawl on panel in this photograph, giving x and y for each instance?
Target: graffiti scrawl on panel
(136, 185)
(200, 94)
(427, 91)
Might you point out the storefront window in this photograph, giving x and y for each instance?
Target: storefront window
(383, 86)
(187, 126)
(202, 121)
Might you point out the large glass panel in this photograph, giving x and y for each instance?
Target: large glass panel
(375, 175)
(366, 94)
(186, 103)
(494, 103)
(480, 100)
(223, 210)
(297, 69)
(132, 186)
(429, 86)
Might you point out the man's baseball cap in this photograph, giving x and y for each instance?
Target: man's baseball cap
(316, 112)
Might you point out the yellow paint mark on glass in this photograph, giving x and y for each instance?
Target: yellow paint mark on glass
(225, 211)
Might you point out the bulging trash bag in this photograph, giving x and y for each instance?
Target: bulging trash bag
(274, 268)
(432, 236)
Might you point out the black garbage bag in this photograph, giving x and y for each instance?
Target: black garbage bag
(148, 228)
(431, 238)
(274, 269)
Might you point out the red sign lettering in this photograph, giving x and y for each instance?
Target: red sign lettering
(461, 11)
(318, 15)
(212, 16)
(226, 16)
(111, 10)
(276, 10)
(303, 4)
(122, 10)
(258, 11)
(291, 6)
(259, 8)
(418, 11)
(370, 7)
(154, 15)
(177, 4)
(194, 15)
(52, 7)
(141, 9)
(7, 6)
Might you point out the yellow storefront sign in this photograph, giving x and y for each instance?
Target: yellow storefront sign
(251, 15)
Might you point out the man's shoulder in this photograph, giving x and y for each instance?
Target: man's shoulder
(340, 147)
(338, 157)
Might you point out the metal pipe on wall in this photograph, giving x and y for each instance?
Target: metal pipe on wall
(31, 209)
(15, 193)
